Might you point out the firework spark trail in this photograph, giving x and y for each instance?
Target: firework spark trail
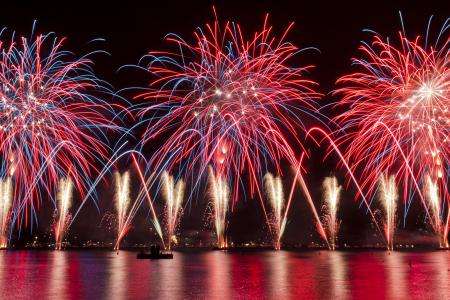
(64, 199)
(6, 194)
(219, 193)
(350, 172)
(406, 87)
(143, 193)
(332, 192)
(227, 102)
(310, 201)
(173, 196)
(122, 201)
(144, 189)
(297, 171)
(274, 189)
(434, 206)
(47, 101)
(388, 197)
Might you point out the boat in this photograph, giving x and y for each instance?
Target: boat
(443, 249)
(220, 248)
(155, 253)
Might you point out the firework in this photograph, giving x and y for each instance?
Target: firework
(6, 192)
(50, 120)
(219, 193)
(145, 191)
(398, 117)
(64, 199)
(388, 198)
(227, 102)
(122, 199)
(274, 188)
(173, 196)
(331, 194)
(434, 207)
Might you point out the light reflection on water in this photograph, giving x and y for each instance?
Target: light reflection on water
(338, 272)
(225, 275)
(118, 277)
(218, 275)
(396, 272)
(58, 274)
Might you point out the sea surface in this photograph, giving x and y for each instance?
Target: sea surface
(225, 275)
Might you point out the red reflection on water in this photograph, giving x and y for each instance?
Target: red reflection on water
(396, 275)
(367, 275)
(218, 273)
(442, 282)
(338, 284)
(225, 275)
(130, 276)
(303, 272)
(75, 289)
(118, 276)
(428, 275)
(56, 285)
(167, 276)
(15, 277)
(248, 275)
(279, 275)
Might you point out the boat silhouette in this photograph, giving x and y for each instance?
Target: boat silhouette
(155, 253)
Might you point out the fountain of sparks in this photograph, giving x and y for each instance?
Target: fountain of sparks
(434, 208)
(388, 198)
(220, 197)
(332, 192)
(64, 199)
(122, 201)
(173, 196)
(274, 189)
(6, 193)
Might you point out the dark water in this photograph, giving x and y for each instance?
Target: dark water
(222, 275)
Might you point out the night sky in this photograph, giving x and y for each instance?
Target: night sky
(132, 28)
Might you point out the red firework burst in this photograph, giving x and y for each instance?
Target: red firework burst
(398, 117)
(228, 102)
(48, 117)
